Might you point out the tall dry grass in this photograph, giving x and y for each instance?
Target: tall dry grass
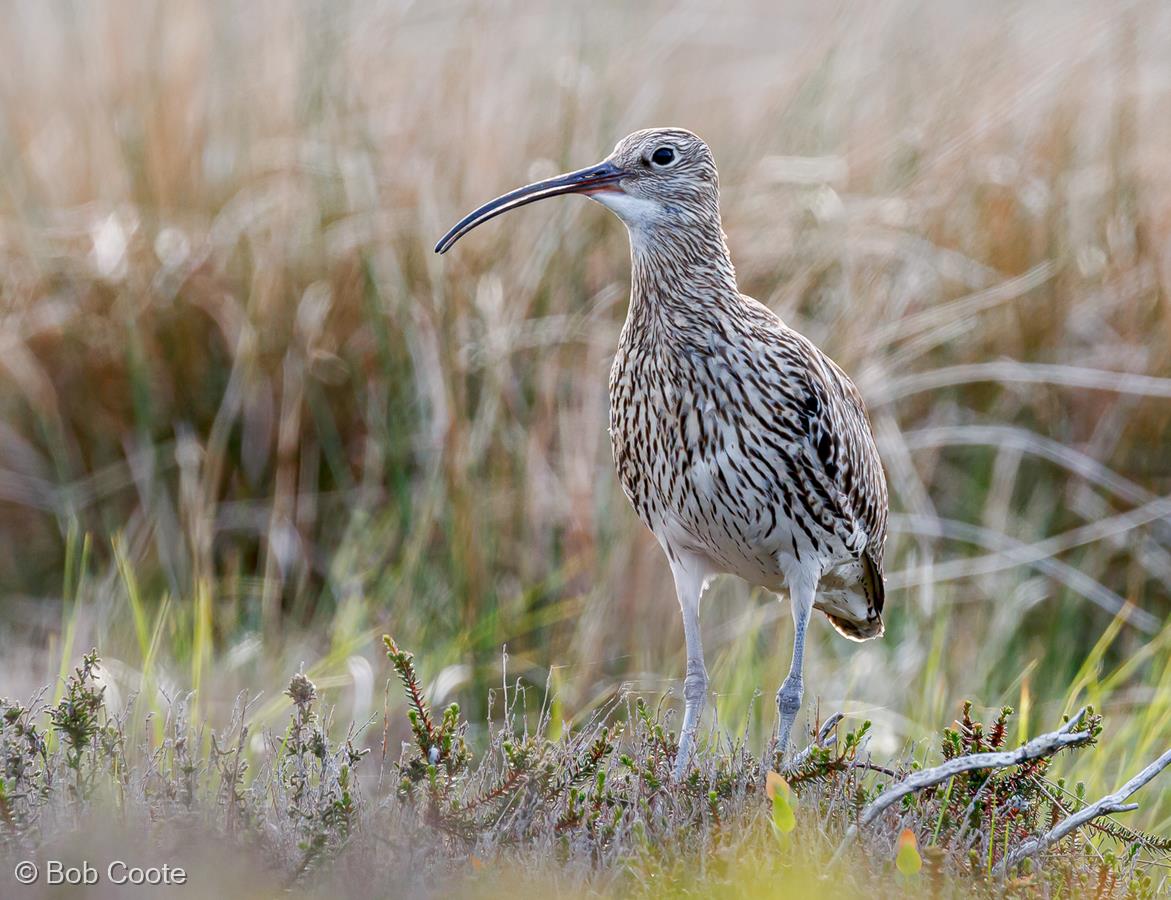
(229, 358)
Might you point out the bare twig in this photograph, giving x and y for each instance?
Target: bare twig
(825, 738)
(827, 728)
(1042, 745)
(1111, 803)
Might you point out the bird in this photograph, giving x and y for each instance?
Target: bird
(740, 444)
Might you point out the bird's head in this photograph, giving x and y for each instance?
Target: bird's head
(655, 179)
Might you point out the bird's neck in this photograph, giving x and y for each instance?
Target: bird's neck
(680, 276)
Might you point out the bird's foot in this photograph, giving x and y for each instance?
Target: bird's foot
(783, 752)
(788, 707)
(785, 757)
(683, 756)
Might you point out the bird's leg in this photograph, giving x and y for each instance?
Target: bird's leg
(689, 584)
(801, 593)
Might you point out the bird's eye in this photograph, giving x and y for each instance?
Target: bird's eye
(663, 156)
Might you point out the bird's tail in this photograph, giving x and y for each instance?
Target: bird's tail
(873, 588)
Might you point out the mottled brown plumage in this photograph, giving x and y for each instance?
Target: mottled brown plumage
(743, 447)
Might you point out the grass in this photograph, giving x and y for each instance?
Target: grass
(592, 811)
(249, 422)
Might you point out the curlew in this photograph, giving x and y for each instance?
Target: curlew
(741, 446)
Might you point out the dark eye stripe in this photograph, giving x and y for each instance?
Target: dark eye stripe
(663, 156)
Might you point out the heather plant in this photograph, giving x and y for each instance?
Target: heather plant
(594, 807)
(25, 784)
(314, 784)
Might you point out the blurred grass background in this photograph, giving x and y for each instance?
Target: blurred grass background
(249, 420)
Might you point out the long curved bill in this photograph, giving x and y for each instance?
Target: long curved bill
(583, 181)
